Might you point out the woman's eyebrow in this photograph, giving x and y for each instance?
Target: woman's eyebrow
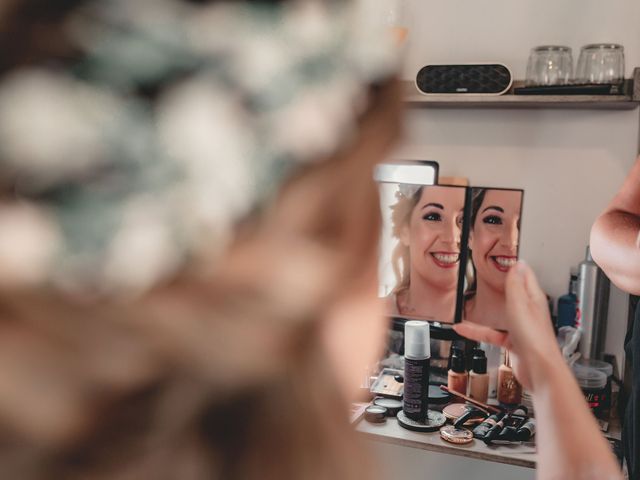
(494, 207)
(437, 205)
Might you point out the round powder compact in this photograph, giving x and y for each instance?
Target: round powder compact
(438, 398)
(454, 411)
(392, 405)
(455, 435)
(375, 414)
(432, 423)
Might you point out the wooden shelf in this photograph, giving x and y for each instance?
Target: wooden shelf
(414, 98)
(392, 433)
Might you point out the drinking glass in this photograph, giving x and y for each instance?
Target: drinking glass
(549, 65)
(600, 63)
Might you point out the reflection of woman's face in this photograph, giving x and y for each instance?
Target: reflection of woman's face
(433, 235)
(494, 236)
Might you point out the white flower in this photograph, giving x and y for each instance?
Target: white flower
(205, 131)
(52, 126)
(142, 251)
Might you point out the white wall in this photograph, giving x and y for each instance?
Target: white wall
(570, 162)
(504, 31)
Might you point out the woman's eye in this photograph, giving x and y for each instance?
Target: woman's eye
(432, 217)
(459, 220)
(492, 220)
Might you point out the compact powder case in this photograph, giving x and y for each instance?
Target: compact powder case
(455, 411)
(432, 423)
(392, 405)
(455, 435)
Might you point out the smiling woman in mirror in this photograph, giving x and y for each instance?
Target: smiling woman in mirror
(493, 245)
(427, 223)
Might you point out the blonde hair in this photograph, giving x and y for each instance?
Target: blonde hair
(212, 375)
(400, 256)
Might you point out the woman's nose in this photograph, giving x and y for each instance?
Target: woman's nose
(510, 234)
(452, 232)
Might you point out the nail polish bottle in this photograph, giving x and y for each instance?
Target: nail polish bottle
(509, 389)
(478, 377)
(457, 376)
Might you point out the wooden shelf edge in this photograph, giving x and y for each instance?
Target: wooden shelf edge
(413, 98)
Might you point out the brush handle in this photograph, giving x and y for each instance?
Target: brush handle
(478, 404)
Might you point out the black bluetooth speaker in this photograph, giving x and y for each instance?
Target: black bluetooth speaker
(483, 79)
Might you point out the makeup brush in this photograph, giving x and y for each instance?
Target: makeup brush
(478, 404)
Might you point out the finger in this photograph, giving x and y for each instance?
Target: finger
(533, 287)
(480, 333)
(516, 291)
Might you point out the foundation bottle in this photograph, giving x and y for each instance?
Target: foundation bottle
(509, 390)
(478, 377)
(458, 376)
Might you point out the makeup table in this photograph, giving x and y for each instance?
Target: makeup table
(391, 432)
(415, 453)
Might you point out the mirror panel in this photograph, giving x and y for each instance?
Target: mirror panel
(493, 247)
(421, 255)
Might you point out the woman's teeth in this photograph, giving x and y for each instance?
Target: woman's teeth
(446, 257)
(506, 262)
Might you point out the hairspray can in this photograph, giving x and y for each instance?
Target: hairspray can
(417, 353)
(593, 307)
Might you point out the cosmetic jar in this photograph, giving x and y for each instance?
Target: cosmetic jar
(593, 383)
(607, 369)
(392, 405)
(375, 414)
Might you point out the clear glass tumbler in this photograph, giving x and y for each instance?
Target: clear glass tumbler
(549, 65)
(600, 63)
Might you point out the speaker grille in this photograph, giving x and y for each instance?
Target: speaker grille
(484, 78)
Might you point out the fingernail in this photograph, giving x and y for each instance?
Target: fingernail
(521, 267)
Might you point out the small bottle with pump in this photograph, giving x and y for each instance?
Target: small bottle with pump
(457, 376)
(568, 304)
(417, 353)
(492, 352)
(478, 377)
(509, 389)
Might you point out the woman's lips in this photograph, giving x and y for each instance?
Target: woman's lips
(445, 259)
(503, 262)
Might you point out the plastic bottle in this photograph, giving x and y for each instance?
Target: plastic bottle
(509, 389)
(593, 306)
(457, 376)
(417, 353)
(568, 304)
(492, 352)
(478, 377)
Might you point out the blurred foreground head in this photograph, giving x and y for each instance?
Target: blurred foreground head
(189, 232)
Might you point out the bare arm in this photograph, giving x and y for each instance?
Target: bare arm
(569, 441)
(615, 235)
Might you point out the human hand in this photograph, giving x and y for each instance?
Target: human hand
(530, 338)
